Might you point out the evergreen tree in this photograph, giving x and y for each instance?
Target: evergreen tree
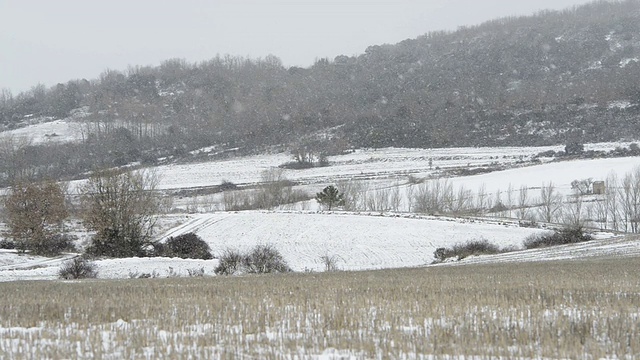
(330, 197)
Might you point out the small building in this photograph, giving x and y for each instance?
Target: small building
(599, 187)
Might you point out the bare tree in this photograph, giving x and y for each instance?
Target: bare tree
(630, 200)
(14, 165)
(378, 200)
(600, 211)
(272, 189)
(509, 202)
(434, 197)
(612, 201)
(410, 197)
(523, 202)
(550, 202)
(583, 187)
(121, 207)
(34, 214)
(352, 193)
(481, 203)
(395, 199)
(573, 214)
(463, 201)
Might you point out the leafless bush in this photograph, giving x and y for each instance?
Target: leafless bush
(196, 272)
(469, 248)
(77, 268)
(330, 262)
(230, 263)
(138, 275)
(569, 235)
(264, 259)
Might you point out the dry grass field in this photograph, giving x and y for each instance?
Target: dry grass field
(575, 310)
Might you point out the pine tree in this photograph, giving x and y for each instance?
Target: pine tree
(330, 197)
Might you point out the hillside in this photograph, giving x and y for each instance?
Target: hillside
(547, 79)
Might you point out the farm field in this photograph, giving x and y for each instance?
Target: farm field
(361, 239)
(358, 241)
(573, 310)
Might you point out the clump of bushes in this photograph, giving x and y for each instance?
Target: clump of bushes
(227, 186)
(78, 268)
(471, 247)
(570, 235)
(7, 244)
(262, 259)
(185, 246)
(51, 246)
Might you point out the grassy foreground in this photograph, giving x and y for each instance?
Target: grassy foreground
(578, 310)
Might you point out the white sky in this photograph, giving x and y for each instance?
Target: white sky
(51, 41)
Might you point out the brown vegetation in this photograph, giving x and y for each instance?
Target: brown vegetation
(548, 310)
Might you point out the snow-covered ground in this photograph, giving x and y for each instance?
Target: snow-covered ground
(358, 240)
(366, 164)
(65, 130)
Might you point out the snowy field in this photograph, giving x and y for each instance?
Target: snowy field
(367, 164)
(64, 130)
(359, 241)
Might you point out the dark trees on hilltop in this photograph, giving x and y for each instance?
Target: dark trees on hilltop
(511, 81)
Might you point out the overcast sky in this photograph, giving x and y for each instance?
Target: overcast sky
(51, 41)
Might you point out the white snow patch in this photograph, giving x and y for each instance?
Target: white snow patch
(627, 61)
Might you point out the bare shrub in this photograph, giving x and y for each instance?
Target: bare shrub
(137, 275)
(469, 248)
(330, 262)
(197, 272)
(77, 268)
(569, 235)
(264, 259)
(230, 263)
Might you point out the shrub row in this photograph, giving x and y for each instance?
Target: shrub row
(461, 251)
(565, 236)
